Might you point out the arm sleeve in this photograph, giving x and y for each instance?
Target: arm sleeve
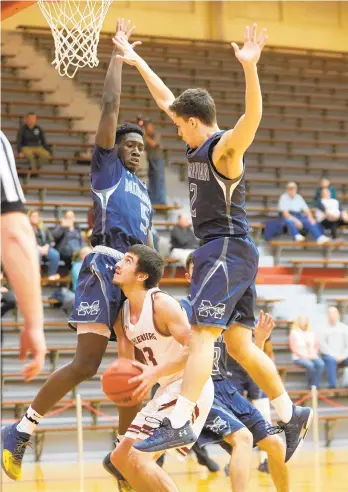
(12, 198)
(106, 168)
(282, 207)
(304, 205)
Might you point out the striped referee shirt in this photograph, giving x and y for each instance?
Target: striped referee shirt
(12, 198)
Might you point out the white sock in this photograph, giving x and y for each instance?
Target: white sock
(263, 456)
(283, 407)
(182, 412)
(264, 407)
(29, 421)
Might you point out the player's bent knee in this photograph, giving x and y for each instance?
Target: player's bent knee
(241, 438)
(239, 343)
(84, 369)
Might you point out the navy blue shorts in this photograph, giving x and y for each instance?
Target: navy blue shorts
(244, 384)
(229, 413)
(223, 283)
(97, 300)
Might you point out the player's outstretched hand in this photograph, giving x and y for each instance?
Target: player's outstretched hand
(125, 50)
(253, 45)
(32, 341)
(146, 380)
(123, 29)
(264, 326)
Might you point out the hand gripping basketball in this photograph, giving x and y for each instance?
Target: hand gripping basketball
(115, 382)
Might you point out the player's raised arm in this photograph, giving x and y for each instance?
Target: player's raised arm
(159, 91)
(106, 132)
(238, 139)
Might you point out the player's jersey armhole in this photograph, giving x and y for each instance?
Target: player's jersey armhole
(153, 295)
(220, 175)
(122, 319)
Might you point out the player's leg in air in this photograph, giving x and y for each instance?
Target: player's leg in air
(236, 425)
(227, 262)
(97, 300)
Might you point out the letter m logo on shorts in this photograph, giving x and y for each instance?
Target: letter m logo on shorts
(207, 309)
(85, 308)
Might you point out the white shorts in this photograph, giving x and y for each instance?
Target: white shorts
(162, 406)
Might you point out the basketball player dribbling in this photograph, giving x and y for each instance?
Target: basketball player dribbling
(154, 323)
(225, 267)
(122, 212)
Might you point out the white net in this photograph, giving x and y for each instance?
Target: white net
(75, 28)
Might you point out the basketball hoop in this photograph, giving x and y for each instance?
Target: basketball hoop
(75, 27)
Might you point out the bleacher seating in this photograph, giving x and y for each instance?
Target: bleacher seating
(303, 137)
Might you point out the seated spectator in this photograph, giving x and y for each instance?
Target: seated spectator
(304, 348)
(298, 216)
(76, 266)
(7, 298)
(324, 183)
(183, 241)
(333, 340)
(329, 213)
(31, 143)
(45, 244)
(155, 157)
(83, 158)
(68, 238)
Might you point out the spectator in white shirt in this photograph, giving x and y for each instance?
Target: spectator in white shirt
(334, 345)
(304, 348)
(328, 212)
(298, 216)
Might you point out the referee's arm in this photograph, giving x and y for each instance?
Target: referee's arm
(20, 260)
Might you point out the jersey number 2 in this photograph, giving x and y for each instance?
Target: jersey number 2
(149, 355)
(193, 188)
(145, 212)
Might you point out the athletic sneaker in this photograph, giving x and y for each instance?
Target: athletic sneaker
(296, 430)
(123, 485)
(263, 467)
(204, 459)
(13, 449)
(166, 437)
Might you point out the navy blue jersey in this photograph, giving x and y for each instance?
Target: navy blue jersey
(217, 203)
(122, 207)
(220, 360)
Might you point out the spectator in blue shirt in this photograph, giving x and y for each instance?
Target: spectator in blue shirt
(324, 183)
(298, 216)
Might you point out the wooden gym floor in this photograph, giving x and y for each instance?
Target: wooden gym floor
(326, 473)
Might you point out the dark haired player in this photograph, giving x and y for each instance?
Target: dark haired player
(122, 212)
(223, 283)
(154, 323)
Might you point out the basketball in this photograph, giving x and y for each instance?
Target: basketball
(115, 382)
